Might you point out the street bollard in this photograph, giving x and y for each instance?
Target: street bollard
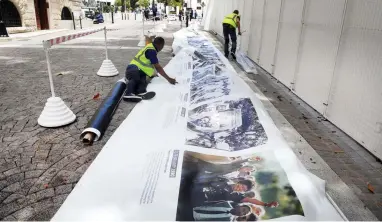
(135, 16)
(112, 18)
(80, 22)
(74, 22)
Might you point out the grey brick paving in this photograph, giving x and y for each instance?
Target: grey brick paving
(39, 167)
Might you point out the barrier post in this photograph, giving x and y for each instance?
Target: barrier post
(135, 16)
(80, 22)
(55, 112)
(112, 17)
(105, 33)
(49, 72)
(107, 68)
(74, 23)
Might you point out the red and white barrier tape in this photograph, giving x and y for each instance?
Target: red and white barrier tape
(58, 40)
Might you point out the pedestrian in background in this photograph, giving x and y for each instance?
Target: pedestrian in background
(230, 23)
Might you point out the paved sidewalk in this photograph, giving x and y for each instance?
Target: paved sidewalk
(39, 167)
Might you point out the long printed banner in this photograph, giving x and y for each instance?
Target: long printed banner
(203, 150)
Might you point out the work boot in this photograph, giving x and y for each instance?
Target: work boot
(147, 95)
(132, 98)
(233, 56)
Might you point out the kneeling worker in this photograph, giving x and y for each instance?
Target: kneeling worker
(230, 23)
(142, 69)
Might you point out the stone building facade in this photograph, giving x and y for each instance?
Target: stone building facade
(30, 15)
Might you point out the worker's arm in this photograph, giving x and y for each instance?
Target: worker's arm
(161, 71)
(259, 203)
(238, 25)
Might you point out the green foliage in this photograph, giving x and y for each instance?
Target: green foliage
(107, 9)
(285, 196)
(131, 4)
(144, 3)
(118, 2)
(172, 3)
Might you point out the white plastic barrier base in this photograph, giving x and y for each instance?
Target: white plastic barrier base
(55, 114)
(107, 69)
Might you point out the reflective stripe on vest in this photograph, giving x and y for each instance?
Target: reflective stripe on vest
(231, 19)
(144, 63)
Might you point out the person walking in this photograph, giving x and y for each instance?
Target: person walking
(230, 23)
(141, 70)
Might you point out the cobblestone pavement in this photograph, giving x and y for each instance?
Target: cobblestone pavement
(350, 161)
(39, 167)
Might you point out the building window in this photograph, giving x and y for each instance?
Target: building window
(66, 14)
(199, 1)
(199, 8)
(10, 14)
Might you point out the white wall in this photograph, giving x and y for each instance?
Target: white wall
(328, 52)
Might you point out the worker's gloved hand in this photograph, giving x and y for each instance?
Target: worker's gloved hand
(172, 81)
(239, 33)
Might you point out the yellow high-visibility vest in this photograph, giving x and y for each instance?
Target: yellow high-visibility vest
(144, 63)
(231, 19)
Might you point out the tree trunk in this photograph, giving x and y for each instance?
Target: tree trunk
(123, 6)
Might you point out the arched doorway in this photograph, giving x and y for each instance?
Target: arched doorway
(41, 7)
(10, 14)
(66, 14)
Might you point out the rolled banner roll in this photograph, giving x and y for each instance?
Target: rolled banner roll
(102, 117)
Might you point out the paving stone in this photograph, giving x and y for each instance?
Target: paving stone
(7, 166)
(58, 200)
(45, 194)
(24, 214)
(33, 174)
(13, 197)
(12, 188)
(20, 125)
(15, 177)
(10, 218)
(63, 189)
(12, 171)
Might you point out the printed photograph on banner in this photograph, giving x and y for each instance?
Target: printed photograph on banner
(229, 125)
(208, 88)
(202, 72)
(209, 60)
(243, 188)
(197, 41)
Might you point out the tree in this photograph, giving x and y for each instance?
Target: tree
(118, 2)
(144, 3)
(172, 3)
(133, 3)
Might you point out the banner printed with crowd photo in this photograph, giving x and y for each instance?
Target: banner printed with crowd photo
(245, 188)
(207, 85)
(229, 125)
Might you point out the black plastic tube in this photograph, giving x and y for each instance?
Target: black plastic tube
(102, 117)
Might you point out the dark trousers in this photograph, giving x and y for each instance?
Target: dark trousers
(229, 32)
(137, 82)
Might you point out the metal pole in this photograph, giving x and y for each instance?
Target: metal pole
(143, 26)
(80, 22)
(74, 23)
(107, 57)
(49, 71)
(112, 17)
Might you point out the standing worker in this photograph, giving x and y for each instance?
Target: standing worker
(230, 23)
(142, 69)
